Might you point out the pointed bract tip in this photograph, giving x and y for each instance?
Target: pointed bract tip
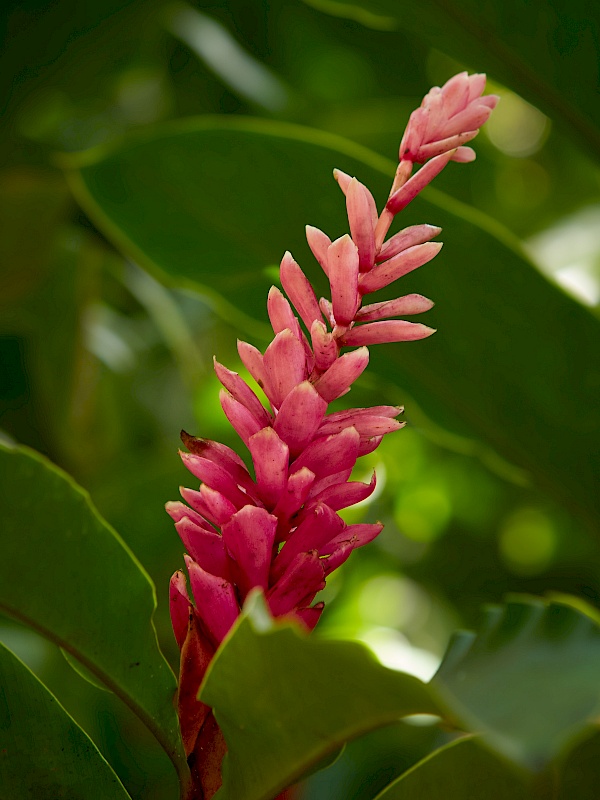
(464, 155)
(188, 440)
(344, 238)
(174, 510)
(343, 179)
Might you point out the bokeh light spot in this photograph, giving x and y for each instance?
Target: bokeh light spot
(517, 128)
(422, 512)
(528, 541)
(392, 601)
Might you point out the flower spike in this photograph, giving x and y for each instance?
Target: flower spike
(279, 528)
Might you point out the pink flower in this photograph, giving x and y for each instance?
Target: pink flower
(278, 529)
(447, 119)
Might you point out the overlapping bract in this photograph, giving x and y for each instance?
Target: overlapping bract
(437, 132)
(447, 119)
(279, 529)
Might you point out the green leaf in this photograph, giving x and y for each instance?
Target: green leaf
(44, 754)
(285, 701)
(82, 671)
(548, 54)
(528, 680)
(459, 771)
(67, 574)
(209, 203)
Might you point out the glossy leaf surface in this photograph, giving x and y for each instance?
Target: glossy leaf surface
(528, 680)
(285, 702)
(461, 770)
(44, 754)
(68, 575)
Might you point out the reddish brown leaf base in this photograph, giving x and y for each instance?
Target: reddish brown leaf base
(196, 654)
(205, 761)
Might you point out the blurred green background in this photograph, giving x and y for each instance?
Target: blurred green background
(101, 364)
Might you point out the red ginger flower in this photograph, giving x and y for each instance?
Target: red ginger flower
(280, 529)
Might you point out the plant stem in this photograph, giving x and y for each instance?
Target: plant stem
(385, 220)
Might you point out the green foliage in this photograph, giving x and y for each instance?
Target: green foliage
(529, 679)
(465, 768)
(459, 770)
(295, 701)
(66, 573)
(39, 739)
(526, 682)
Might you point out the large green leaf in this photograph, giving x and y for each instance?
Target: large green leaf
(285, 702)
(66, 573)
(528, 680)
(208, 203)
(461, 770)
(548, 52)
(464, 770)
(44, 754)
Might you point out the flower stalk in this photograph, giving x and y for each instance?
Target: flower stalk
(279, 529)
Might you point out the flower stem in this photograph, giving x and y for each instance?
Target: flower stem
(385, 220)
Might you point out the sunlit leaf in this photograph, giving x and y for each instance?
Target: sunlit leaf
(68, 575)
(44, 754)
(210, 203)
(285, 702)
(528, 680)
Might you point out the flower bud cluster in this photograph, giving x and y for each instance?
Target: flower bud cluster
(279, 528)
(447, 119)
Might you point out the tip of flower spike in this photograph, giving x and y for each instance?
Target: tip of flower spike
(448, 117)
